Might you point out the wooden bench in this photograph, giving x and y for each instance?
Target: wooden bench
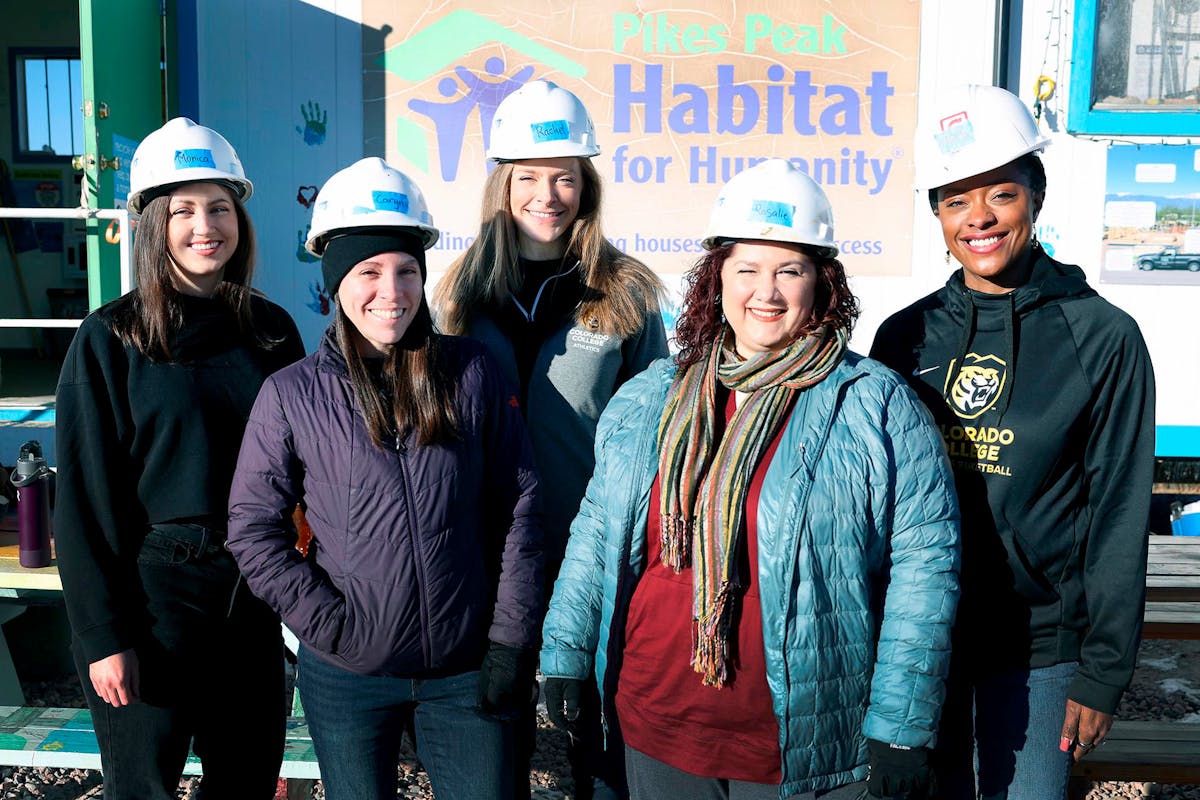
(64, 737)
(1173, 588)
(1159, 752)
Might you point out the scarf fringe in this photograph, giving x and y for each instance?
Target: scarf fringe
(711, 650)
(676, 539)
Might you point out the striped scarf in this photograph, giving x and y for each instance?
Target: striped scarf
(704, 487)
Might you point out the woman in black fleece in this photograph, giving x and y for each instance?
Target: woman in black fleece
(1044, 395)
(173, 651)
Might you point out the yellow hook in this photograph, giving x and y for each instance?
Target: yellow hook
(1043, 89)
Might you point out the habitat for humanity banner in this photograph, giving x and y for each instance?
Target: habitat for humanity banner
(683, 97)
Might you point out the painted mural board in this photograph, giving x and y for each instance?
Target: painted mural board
(683, 97)
(1152, 215)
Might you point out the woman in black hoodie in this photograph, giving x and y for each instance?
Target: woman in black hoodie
(1044, 394)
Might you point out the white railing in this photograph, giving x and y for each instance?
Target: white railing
(118, 214)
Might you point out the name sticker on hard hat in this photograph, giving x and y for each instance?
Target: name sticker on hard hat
(191, 159)
(390, 201)
(553, 130)
(957, 133)
(771, 211)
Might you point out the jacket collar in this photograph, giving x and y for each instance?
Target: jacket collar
(329, 355)
(1049, 281)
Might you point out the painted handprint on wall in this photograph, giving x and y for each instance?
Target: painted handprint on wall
(301, 252)
(319, 300)
(315, 123)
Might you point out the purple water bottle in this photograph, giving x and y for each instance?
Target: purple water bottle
(32, 479)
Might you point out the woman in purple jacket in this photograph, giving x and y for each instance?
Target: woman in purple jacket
(409, 454)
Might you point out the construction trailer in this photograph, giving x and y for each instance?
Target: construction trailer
(682, 97)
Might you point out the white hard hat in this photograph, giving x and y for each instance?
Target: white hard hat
(776, 202)
(183, 152)
(970, 130)
(541, 120)
(365, 195)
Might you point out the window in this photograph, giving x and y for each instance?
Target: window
(48, 90)
(1136, 68)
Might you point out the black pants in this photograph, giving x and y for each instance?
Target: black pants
(211, 675)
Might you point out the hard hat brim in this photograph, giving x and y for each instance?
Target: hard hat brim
(316, 244)
(241, 187)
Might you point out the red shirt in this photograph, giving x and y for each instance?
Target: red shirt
(665, 712)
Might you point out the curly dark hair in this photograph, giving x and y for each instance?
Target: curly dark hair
(700, 322)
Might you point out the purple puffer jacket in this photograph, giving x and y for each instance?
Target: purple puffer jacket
(423, 553)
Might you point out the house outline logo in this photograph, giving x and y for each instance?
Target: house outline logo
(438, 47)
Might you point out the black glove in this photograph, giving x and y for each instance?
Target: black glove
(505, 678)
(899, 773)
(562, 704)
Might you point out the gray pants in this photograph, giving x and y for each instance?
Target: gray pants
(650, 779)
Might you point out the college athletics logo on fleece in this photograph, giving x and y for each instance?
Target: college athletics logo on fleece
(976, 384)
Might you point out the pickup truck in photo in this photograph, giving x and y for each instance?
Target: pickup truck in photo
(1170, 258)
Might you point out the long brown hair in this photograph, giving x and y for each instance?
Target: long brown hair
(701, 321)
(620, 290)
(416, 392)
(147, 319)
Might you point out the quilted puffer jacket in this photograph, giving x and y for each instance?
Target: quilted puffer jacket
(858, 542)
(423, 553)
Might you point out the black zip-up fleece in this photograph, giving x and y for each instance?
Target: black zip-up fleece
(1045, 401)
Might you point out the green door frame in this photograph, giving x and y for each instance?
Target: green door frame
(122, 54)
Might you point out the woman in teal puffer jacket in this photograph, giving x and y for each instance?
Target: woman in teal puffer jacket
(786, 621)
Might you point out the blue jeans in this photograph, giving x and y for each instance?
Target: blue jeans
(1003, 729)
(356, 723)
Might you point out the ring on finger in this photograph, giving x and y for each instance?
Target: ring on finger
(1085, 746)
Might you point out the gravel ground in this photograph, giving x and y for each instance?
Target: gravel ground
(1166, 686)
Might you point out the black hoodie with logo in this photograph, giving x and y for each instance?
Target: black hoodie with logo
(1045, 400)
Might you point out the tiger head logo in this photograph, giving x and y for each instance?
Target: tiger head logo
(978, 383)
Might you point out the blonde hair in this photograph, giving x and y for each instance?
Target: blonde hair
(619, 293)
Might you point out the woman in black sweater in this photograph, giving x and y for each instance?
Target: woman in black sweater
(172, 650)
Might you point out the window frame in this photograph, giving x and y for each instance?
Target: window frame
(1081, 118)
(19, 110)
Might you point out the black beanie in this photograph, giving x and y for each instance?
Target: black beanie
(343, 252)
